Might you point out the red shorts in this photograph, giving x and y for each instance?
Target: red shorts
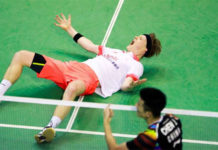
(62, 73)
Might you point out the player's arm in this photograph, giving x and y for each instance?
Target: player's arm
(111, 142)
(65, 24)
(130, 83)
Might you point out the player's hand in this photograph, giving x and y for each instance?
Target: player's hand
(63, 23)
(138, 82)
(108, 114)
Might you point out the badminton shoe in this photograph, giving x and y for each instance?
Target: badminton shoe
(46, 135)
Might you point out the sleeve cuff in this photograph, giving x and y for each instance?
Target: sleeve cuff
(100, 50)
(134, 77)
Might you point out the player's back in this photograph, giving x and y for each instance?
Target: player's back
(170, 133)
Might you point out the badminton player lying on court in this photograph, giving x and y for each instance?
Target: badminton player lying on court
(110, 71)
(163, 133)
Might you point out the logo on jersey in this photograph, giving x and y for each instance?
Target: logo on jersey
(112, 59)
(168, 128)
(170, 132)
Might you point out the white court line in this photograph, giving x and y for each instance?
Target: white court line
(113, 20)
(103, 105)
(100, 133)
(191, 112)
(200, 142)
(104, 42)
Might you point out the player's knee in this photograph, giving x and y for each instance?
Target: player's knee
(70, 93)
(72, 88)
(75, 88)
(20, 55)
(23, 57)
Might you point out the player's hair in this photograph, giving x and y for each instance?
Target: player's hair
(156, 46)
(154, 100)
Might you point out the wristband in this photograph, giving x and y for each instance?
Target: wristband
(77, 37)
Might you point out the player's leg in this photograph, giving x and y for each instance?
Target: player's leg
(74, 89)
(21, 58)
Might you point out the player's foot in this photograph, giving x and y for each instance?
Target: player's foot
(46, 135)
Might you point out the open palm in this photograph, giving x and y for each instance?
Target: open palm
(63, 23)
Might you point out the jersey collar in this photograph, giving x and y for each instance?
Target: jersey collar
(134, 56)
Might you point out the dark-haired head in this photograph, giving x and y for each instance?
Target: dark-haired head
(154, 100)
(153, 45)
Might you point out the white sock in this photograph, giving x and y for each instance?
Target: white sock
(4, 85)
(55, 121)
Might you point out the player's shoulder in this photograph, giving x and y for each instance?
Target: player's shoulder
(168, 123)
(169, 117)
(170, 132)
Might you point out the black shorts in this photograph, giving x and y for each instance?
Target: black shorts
(38, 63)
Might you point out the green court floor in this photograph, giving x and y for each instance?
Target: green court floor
(186, 70)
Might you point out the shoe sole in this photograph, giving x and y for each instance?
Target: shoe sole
(49, 134)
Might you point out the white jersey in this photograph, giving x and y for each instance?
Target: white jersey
(112, 66)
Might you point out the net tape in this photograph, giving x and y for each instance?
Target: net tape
(103, 106)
